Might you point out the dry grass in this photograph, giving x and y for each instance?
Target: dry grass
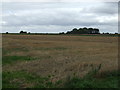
(61, 56)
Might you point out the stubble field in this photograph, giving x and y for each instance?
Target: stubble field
(58, 56)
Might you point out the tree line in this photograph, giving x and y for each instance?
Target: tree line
(73, 31)
(84, 31)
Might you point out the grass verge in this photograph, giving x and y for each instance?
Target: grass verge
(110, 80)
(11, 59)
(23, 79)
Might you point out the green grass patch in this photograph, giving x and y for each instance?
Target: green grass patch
(11, 59)
(6, 51)
(23, 79)
(110, 80)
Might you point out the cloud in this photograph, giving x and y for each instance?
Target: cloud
(106, 8)
(58, 16)
(61, 1)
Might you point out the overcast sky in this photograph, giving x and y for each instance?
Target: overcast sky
(53, 17)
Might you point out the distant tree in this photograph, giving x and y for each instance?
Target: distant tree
(96, 31)
(116, 33)
(6, 32)
(75, 29)
(107, 33)
(28, 32)
(22, 32)
(90, 30)
(85, 28)
(68, 32)
(62, 33)
(80, 29)
(84, 31)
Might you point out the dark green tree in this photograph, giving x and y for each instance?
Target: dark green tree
(22, 32)
(84, 31)
(6, 32)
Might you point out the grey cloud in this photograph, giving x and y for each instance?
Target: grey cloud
(107, 8)
(57, 15)
(51, 17)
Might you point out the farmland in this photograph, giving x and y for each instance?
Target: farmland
(57, 57)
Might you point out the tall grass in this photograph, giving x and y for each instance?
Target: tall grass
(110, 80)
(22, 79)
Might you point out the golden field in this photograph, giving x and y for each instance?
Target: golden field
(61, 56)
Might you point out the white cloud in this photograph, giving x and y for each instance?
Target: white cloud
(108, 19)
(57, 17)
(61, 1)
